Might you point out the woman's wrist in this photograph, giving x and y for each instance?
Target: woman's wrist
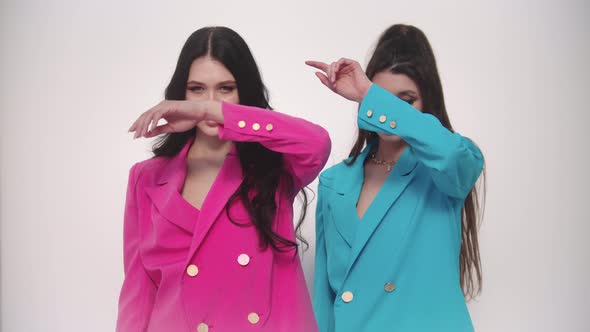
(364, 90)
(213, 111)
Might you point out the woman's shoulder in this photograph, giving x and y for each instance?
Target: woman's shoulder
(148, 170)
(333, 174)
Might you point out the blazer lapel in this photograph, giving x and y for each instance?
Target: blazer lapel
(226, 183)
(170, 205)
(165, 195)
(397, 181)
(343, 206)
(344, 217)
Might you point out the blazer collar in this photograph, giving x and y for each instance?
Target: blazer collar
(166, 193)
(174, 172)
(352, 184)
(400, 177)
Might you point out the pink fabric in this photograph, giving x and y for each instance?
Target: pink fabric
(163, 235)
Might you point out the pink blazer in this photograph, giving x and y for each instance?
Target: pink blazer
(191, 270)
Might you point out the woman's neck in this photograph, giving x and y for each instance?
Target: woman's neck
(390, 151)
(207, 150)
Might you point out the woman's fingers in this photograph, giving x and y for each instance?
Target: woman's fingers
(171, 111)
(332, 70)
(328, 77)
(132, 127)
(146, 123)
(346, 66)
(153, 123)
(135, 124)
(138, 125)
(155, 114)
(341, 64)
(338, 65)
(155, 120)
(148, 119)
(317, 64)
(165, 128)
(324, 79)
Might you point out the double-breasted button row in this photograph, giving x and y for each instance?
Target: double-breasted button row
(243, 259)
(348, 296)
(256, 126)
(253, 318)
(382, 119)
(192, 270)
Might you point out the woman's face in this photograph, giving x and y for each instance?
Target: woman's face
(403, 87)
(208, 79)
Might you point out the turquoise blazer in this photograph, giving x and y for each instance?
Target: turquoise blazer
(397, 269)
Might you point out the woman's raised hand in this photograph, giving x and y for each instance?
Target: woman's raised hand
(345, 77)
(180, 115)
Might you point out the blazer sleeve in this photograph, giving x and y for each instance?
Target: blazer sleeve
(138, 291)
(323, 296)
(305, 146)
(454, 161)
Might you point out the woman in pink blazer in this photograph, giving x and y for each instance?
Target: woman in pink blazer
(209, 243)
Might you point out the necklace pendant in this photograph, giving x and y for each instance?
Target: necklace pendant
(389, 168)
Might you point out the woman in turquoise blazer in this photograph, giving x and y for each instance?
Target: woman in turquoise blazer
(396, 230)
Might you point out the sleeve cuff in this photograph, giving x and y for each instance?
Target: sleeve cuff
(380, 111)
(240, 120)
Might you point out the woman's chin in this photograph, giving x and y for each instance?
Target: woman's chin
(206, 129)
(390, 138)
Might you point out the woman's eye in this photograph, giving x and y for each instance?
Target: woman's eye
(196, 88)
(410, 101)
(227, 89)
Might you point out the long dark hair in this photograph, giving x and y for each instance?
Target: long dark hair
(263, 168)
(404, 49)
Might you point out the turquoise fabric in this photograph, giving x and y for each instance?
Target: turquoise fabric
(409, 237)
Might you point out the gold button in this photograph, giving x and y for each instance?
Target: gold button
(242, 124)
(192, 270)
(256, 126)
(382, 118)
(370, 113)
(203, 327)
(389, 287)
(269, 127)
(347, 296)
(393, 124)
(243, 259)
(253, 318)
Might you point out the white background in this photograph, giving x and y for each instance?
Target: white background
(75, 75)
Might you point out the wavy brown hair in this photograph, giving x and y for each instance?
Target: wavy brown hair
(404, 49)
